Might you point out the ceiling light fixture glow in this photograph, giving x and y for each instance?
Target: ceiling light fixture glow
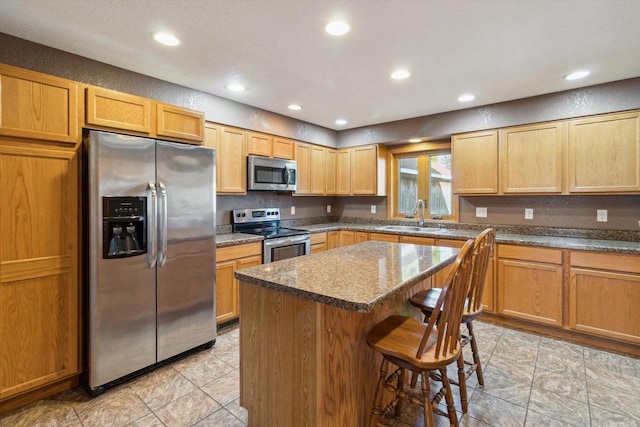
(337, 28)
(236, 87)
(577, 75)
(341, 122)
(415, 140)
(466, 97)
(166, 39)
(295, 107)
(400, 74)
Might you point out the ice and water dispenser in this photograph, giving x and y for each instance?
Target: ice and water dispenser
(124, 226)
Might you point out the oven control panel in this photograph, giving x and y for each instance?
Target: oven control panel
(243, 216)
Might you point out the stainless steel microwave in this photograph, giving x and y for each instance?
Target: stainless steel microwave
(266, 173)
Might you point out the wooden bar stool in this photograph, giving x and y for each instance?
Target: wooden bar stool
(420, 348)
(426, 301)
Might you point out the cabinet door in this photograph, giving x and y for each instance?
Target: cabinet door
(361, 236)
(333, 239)
(247, 262)
(39, 292)
(226, 291)
(364, 178)
(347, 238)
(604, 154)
(531, 158)
(259, 144)
(283, 148)
(317, 171)
(475, 163)
(605, 303)
(117, 110)
(231, 161)
(37, 106)
(179, 123)
(343, 174)
(303, 158)
(530, 290)
(330, 168)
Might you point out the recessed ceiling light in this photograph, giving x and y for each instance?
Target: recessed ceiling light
(415, 140)
(337, 28)
(466, 97)
(341, 122)
(166, 39)
(235, 87)
(400, 74)
(577, 75)
(295, 107)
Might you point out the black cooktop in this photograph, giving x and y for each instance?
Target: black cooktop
(273, 232)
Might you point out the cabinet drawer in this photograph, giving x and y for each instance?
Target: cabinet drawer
(418, 240)
(384, 237)
(239, 251)
(600, 261)
(528, 253)
(318, 238)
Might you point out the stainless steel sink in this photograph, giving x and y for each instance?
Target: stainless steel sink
(406, 228)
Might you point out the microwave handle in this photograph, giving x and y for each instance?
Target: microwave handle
(287, 175)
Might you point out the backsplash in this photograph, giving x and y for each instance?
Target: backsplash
(576, 212)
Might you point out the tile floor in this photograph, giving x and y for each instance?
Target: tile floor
(529, 380)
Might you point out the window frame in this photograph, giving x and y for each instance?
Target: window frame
(412, 150)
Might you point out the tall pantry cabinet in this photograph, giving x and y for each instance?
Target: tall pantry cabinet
(39, 223)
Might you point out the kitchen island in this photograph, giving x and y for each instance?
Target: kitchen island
(304, 360)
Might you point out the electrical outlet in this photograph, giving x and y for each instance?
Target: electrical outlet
(328, 208)
(293, 210)
(528, 213)
(481, 212)
(373, 208)
(601, 215)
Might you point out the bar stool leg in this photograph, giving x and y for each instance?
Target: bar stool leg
(376, 408)
(476, 354)
(426, 395)
(462, 384)
(451, 410)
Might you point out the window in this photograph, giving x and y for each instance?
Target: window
(422, 175)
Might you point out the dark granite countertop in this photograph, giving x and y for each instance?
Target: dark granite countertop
(357, 277)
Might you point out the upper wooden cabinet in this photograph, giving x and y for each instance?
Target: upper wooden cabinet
(311, 169)
(118, 110)
(475, 163)
(369, 170)
(259, 144)
(531, 158)
(38, 106)
(283, 148)
(343, 172)
(330, 171)
(604, 154)
(231, 157)
(179, 123)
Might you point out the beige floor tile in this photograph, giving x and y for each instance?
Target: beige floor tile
(519, 372)
(561, 363)
(188, 409)
(221, 417)
(603, 418)
(546, 381)
(562, 347)
(622, 383)
(535, 419)
(618, 402)
(116, 407)
(207, 371)
(224, 389)
(237, 410)
(599, 359)
(44, 413)
(147, 421)
(506, 388)
(495, 412)
(522, 339)
(559, 407)
(161, 387)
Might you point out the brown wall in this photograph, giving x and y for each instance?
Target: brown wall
(555, 211)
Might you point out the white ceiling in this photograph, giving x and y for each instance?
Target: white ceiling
(498, 50)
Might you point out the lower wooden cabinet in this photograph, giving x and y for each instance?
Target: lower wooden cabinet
(228, 260)
(382, 237)
(361, 236)
(530, 283)
(333, 239)
(604, 295)
(39, 267)
(318, 242)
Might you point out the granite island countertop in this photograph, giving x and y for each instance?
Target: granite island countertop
(356, 278)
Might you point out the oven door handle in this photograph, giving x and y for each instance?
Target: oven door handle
(281, 241)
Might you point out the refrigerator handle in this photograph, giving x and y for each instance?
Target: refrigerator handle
(163, 226)
(153, 226)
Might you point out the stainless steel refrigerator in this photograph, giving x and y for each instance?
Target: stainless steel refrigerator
(150, 248)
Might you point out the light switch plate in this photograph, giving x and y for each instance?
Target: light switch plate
(481, 212)
(373, 208)
(601, 215)
(293, 210)
(528, 213)
(328, 208)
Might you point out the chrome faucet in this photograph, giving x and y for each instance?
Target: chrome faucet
(420, 207)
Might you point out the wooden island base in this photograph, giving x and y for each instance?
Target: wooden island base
(304, 363)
